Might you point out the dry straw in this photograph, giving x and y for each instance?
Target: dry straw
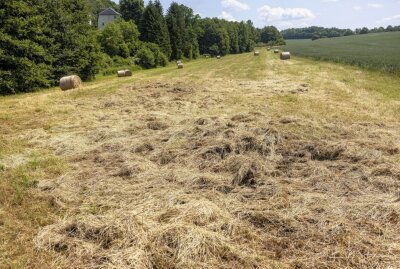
(70, 82)
(285, 56)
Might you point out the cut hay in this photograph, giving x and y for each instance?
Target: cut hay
(180, 66)
(276, 51)
(256, 53)
(124, 73)
(70, 82)
(285, 56)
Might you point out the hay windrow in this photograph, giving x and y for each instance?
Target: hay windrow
(207, 175)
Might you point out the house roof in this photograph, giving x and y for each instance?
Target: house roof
(109, 11)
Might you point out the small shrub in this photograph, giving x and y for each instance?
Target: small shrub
(145, 58)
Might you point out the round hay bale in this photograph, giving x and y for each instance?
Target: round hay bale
(70, 82)
(256, 53)
(218, 57)
(285, 56)
(180, 66)
(124, 73)
(178, 62)
(276, 51)
(268, 49)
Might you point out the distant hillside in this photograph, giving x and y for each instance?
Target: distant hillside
(315, 32)
(379, 51)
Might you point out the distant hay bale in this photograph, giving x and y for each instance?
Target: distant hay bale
(124, 73)
(70, 82)
(178, 62)
(256, 53)
(285, 56)
(276, 51)
(268, 49)
(180, 66)
(218, 57)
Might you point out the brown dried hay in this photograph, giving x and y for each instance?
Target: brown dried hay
(70, 82)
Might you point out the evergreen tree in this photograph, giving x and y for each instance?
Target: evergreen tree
(24, 60)
(132, 10)
(153, 27)
(182, 31)
(74, 48)
(244, 37)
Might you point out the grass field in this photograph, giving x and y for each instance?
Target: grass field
(379, 51)
(243, 162)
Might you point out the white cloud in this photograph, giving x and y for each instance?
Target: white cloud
(375, 5)
(234, 4)
(276, 14)
(227, 16)
(392, 18)
(357, 8)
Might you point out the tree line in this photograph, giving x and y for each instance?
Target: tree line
(315, 32)
(43, 40)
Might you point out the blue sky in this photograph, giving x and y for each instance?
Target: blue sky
(299, 13)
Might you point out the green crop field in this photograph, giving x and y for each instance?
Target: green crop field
(379, 51)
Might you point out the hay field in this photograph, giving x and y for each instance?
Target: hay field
(243, 162)
(378, 51)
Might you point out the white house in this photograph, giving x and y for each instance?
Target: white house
(106, 16)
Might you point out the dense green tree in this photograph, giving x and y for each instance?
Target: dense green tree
(153, 27)
(271, 35)
(120, 38)
(42, 40)
(244, 37)
(132, 10)
(182, 28)
(74, 49)
(25, 63)
(364, 31)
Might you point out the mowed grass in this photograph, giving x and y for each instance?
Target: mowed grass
(52, 138)
(379, 51)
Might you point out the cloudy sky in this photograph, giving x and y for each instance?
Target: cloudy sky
(299, 13)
